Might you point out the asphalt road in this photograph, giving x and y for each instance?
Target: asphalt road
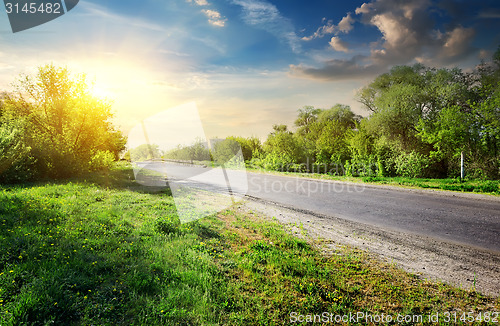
(472, 221)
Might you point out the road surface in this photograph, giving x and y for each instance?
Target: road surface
(472, 220)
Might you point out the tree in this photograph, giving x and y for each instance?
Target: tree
(250, 147)
(226, 151)
(340, 113)
(144, 152)
(282, 149)
(65, 126)
(307, 115)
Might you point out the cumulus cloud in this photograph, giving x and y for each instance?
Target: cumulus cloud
(408, 33)
(345, 26)
(266, 16)
(338, 45)
(199, 2)
(214, 17)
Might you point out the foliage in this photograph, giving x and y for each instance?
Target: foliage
(15, 158)
(102, 160)
(307, 115)
(198, 151)
(421, 119)
(282, 149)
(411, 164)
(64, 125)
(225, 150)
(250, 147)
(144, 152)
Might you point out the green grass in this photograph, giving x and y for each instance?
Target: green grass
(103, 250)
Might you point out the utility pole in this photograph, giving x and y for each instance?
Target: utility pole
(461, 166)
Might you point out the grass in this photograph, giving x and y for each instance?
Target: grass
(491, 187)
(104, 250)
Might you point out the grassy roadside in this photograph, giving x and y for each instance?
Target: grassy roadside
(491, 187)
(104, 250)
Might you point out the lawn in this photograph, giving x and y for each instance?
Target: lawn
(103, 250)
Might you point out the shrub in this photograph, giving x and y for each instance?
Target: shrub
(411, 164)
(102, 160)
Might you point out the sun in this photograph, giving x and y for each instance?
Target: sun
(100, 92)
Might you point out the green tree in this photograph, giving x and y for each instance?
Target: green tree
(282, 149)
(250, 147)
(225, 151)
(340, 113)
(307, 116)
(144, 152)
(66, 127)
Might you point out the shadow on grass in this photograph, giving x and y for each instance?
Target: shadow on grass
(121, 177)
(73, 268)
(91, 250)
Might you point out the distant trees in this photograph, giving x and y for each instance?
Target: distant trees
(426, 117)
(421, 120)
(144, 152)
(56, 127)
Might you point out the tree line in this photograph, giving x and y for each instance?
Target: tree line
(421, 120)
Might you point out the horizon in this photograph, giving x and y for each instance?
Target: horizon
(247, 64)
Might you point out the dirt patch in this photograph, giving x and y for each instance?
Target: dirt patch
(462, 266)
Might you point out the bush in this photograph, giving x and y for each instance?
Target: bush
(102, 160)
(411, 164)
(488, 186)
(16, 161)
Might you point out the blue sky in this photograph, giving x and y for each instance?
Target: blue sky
(247, 63)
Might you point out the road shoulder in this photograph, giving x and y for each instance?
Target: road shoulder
(462, 266)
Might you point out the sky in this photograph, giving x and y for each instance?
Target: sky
(247, 64)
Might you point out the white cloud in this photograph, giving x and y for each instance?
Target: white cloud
(345, 26)
(394, 31)
(199, 2)
(408, 32)
(215, 18)
(338, 45)
(266, 16)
